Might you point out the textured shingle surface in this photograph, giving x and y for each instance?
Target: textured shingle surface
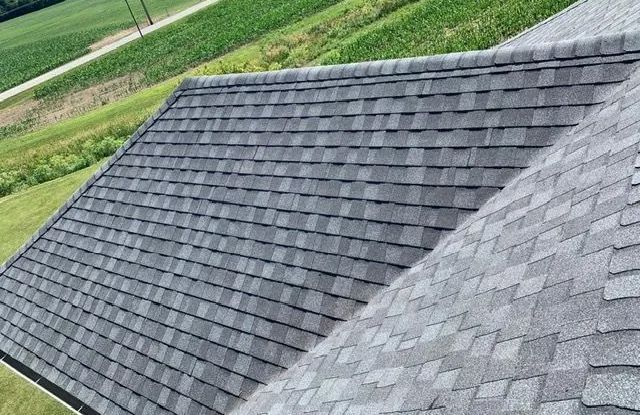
(530, 307)
(233, 244)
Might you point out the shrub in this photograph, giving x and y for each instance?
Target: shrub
(74, 157)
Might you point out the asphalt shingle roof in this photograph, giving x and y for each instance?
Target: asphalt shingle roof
(529, 307)
(450, 234)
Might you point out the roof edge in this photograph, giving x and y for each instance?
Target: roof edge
(602, 45)
(71, 403)
(78, 193)
(38, 378)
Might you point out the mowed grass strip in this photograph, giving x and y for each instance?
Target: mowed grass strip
(187, 43)
(45, 39)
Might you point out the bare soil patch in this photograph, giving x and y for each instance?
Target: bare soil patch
(47, 112)
(110, 39)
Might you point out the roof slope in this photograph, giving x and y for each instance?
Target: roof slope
(531, 306)
(253, 213)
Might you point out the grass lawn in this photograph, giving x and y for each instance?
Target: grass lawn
(42, 40)
(18, 397)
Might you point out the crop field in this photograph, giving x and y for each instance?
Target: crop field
(39, 41)
(189, 42)
(444, 26)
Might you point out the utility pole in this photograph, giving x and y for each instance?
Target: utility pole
(144, 6)
(134, 18)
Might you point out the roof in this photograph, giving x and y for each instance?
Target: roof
(530, 306)
(450, 234)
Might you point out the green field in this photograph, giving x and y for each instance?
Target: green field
(259, 35)
(37, 42)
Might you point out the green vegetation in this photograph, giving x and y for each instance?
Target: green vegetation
(19, 397)
(444, 26)
(21, 63)
(74, 144)
(75, 156)
(304, 43)
(191, 41)
(6, 5)
(40, 41)
(14, 8)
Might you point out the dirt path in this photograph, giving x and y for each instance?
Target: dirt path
(102, 51)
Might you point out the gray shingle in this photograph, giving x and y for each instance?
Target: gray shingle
(620, 389)
(622, 287)
(588, 18)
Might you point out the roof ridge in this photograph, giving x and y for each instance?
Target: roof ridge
(601, 45)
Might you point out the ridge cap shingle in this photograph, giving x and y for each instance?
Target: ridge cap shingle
(601, 45)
